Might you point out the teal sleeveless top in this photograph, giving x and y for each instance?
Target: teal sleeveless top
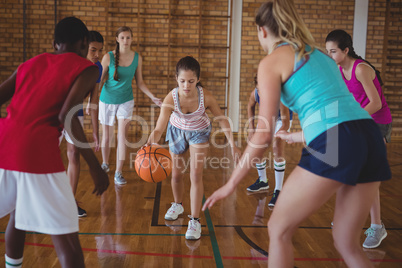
(118, 92)
(317, 93)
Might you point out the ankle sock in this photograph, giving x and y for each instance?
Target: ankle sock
(279, 174)
(376, 226)
(262, 173)
(13, 263)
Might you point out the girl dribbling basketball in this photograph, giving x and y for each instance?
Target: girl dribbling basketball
(189, 128)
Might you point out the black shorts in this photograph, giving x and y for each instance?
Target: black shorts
(351, 152)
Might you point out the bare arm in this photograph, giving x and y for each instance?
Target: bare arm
(163, 119)
(7, 89)
(251, 113)
(365, 74)
(141, 84)
(92, 109)
(285, 117)
(270, 80)
(81, 87)
(105, 72)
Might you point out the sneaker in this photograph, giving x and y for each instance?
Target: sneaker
(119, 179)
(81, 212)
(174, 211)
(374, 237)
(258, 186)
(105, 167)
(193, 230)
(274, 198)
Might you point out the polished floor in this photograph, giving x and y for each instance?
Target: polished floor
(125, 227)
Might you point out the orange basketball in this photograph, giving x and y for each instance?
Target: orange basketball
(153, 163)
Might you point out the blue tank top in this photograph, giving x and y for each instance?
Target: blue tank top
(257, 99)
(318, 94)
(118, 92)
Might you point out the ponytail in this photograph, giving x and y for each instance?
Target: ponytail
(116, 61)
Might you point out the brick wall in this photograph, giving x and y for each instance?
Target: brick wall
(165, 31)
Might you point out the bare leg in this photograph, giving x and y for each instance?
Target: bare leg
(178, 169)
(375, 210)
(121, 143)
(352, 207)
(73, 170)
(15, 239)
(297, 201)
(69, 251)
(107, 134)
(198, 152)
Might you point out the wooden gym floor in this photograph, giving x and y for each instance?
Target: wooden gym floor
(125, 227)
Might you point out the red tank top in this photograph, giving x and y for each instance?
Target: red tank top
(29, 135)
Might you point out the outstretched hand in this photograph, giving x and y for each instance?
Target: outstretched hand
(157, 101)
(290, 137)
(219, 194)
(101, 180)
(284, 135)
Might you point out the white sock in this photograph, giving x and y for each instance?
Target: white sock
(262, 173)
(12, 263)
(279, 174)
(376, 226)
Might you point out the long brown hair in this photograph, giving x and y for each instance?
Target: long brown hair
(281, 17)
(117, 54)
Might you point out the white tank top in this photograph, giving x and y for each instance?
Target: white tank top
(197, 120)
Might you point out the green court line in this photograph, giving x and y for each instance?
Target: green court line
(214, 242)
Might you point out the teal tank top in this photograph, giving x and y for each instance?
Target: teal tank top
(317, 93)
(118, 92)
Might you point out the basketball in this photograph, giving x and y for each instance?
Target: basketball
(153, 163)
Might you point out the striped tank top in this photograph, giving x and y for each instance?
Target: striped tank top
(197, 120)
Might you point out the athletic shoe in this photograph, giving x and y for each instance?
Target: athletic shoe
(105, 167)
(81, 212)
(274, 198)
(193, 230)
(374, 237)
(174, 211)
(119, 179)
(258, 185)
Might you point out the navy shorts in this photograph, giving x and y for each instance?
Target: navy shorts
(351, 152)
(180, 140)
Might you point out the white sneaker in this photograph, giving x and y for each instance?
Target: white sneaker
(193, 230)
(174, 211)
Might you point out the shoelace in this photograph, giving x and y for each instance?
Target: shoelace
(370, 232)
(193, 223)
(173, 207)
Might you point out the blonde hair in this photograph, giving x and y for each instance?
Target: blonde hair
(282, 19)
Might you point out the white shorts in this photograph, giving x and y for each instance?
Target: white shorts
(279, 125)
(65, 134)
(108, 112)
(42, 202)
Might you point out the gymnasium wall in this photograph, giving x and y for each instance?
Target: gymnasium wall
(166, 30)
